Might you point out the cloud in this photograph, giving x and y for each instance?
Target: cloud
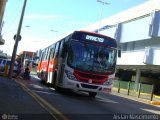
(26, 44)
(46, 17)
(33, 44)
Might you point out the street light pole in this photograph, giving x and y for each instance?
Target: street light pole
(17, 38)
(103, 3)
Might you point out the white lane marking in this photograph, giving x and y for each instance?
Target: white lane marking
(102, 99)
(152, 111)
(52, 88)
(41, 92)
(36, 86)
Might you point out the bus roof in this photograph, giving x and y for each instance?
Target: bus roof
(92, 37)
(95, 38)
(95, 33)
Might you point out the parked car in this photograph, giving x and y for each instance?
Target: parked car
(4, 62)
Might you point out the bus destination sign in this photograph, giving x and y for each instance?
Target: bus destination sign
(94, 38)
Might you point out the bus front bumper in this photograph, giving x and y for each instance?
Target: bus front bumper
(86, 87)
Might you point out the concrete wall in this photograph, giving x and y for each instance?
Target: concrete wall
(135, 30)
(136, 37)
(2, 9)
(131, 58)
(109, 32)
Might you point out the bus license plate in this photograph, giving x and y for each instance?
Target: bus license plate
(106, 90)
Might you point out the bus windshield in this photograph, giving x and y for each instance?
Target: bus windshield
(91, 57)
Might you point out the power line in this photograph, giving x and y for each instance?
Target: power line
(9, 14)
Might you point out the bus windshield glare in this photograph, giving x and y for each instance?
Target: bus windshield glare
(92, 58)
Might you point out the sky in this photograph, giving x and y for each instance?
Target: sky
(45, 20)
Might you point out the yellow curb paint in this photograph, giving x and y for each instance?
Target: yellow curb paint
(56, 114)
(154, 102)
(156, 96)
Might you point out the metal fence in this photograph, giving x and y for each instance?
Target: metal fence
(139, 90)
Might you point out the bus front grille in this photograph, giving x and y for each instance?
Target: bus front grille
(89, 86)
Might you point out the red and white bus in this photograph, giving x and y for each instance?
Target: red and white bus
(74, 62)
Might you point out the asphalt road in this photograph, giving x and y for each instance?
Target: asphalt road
(71, 105)
(78, 106)
(16, 104)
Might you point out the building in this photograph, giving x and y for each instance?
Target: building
(4, 55)
(137, 31)
(26, 56)
(2, 8)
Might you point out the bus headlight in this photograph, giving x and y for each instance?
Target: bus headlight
(109, 82)
(70, 75)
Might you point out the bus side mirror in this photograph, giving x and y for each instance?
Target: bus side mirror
(119, 53)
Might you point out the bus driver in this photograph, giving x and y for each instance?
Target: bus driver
(103, 59)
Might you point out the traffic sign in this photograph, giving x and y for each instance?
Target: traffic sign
(19, 37)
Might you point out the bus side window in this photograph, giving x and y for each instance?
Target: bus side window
(40, 59)
(61, 48)
(51, 53)
(58, 53)
(48, 54)
(64, 50)
(45, 54)
(56, 50)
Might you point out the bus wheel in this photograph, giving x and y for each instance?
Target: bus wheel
(42, 81)
(57, 89)
(54, 80)
(92, 94)
(42, 78)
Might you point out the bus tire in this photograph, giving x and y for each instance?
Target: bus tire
(92, 94)
(42, 77)
(42, 81)
(54, 80)
(57, 89)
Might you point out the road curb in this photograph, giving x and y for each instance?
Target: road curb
(154, 102)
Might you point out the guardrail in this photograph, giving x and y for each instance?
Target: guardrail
(140, 90)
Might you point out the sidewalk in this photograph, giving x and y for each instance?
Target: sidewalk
(18, 104)
(155, 102)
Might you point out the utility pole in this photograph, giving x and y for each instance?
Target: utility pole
(17, 38)
(103, 3)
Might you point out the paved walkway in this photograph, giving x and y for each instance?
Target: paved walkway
(155, 101)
